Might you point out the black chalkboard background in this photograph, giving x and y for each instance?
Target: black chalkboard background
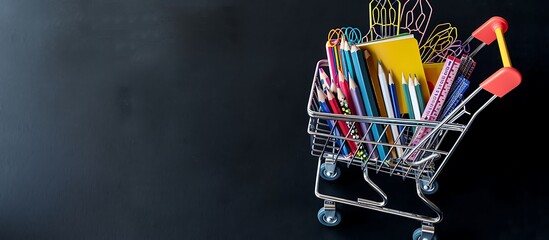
(165, 119)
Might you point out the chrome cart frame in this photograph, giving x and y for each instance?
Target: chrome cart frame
(422, 161)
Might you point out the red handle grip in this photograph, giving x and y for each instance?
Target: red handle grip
(502, 81)
(486, 33)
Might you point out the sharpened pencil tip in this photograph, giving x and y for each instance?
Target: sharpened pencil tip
(340, 75)
(329, 95)
(320, 94)
(354, 48)
(366, 54)
(352, 84)
(340, 95)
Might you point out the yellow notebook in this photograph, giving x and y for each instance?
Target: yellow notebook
(400, 54)
(432, 71)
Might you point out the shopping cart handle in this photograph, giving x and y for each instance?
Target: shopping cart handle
(487, 32)
(502, 81)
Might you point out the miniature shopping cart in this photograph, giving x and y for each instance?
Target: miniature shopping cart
(421, 162)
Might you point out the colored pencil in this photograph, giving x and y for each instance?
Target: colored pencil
(357, 100)
(406, 92)
(324, 79)
(333, 88)
(334, 106)
(349, 63)
(394, 101)
(385, 90)
(414, 98)
(324, 108)
(367, 92)
(387, 101)
(344, 86)
(419, 94)
(394, 97)
(344, 104)
(343, 57)
(332, 61)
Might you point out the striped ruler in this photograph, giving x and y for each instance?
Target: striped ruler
(438, 96)
(440, 92)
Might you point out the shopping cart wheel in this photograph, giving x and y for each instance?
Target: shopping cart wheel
(428, 190)
(326, 220)
(417, 235)
(329, 175)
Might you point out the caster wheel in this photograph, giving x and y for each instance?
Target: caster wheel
(328, 221)
(329, 176)
(429, 190)
(417, 235)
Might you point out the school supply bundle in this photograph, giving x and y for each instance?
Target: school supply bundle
(386, 101)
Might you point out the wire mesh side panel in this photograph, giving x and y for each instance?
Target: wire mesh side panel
(379, 148)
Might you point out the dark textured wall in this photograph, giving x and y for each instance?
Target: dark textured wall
(186, 120)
